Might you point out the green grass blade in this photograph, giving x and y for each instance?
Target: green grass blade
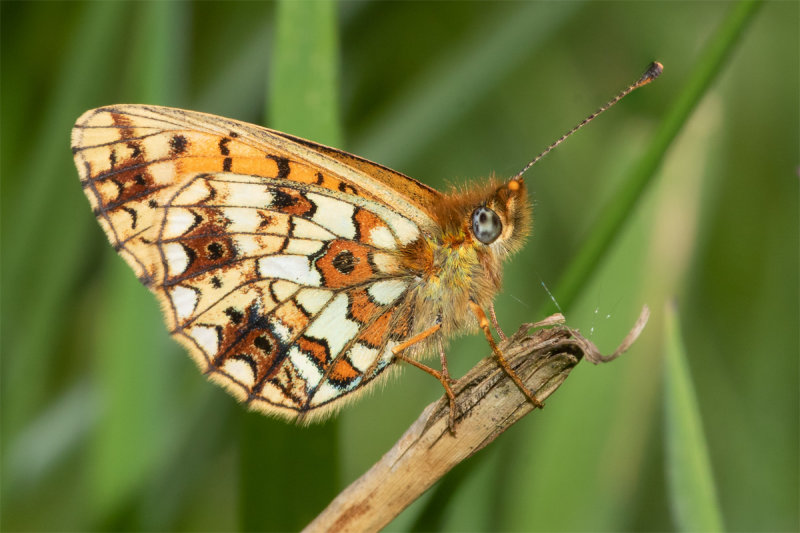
(611, 222)
(304, 95)
(692, 492)
(303, 99)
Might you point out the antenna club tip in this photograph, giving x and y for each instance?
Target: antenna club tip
(653, 71)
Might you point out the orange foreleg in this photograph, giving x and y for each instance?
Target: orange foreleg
(483, 322)
(494, 322)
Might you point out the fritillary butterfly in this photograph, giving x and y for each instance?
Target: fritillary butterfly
(296, 274)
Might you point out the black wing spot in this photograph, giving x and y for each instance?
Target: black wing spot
(344, 262)
(178, 144)
(223, 146)
(266, 220)
(347, 188)
(215, 251)
(263, 343)
(136, 150)
(282, 200)
(283, 166)
(235, 315)
(255, 320)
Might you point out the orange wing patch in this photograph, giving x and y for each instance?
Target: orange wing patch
(344, 263)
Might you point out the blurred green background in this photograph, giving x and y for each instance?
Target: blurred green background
(107, 425)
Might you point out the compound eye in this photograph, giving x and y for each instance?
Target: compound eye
(486, 225)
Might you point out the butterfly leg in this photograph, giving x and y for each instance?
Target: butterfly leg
(443, 359)
(483, 322)
(495, 324)
(443, 376)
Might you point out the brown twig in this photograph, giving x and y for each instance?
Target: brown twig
(488, 403)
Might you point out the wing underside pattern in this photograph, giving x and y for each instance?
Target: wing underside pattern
(280, 277)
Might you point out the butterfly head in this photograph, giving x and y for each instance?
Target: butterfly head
(495, 218)
(504, 218)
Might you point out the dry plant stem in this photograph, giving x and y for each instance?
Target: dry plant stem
(489, 402)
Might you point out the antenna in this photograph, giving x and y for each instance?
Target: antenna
(652, 72)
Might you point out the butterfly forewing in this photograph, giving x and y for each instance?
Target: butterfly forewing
(275, 260)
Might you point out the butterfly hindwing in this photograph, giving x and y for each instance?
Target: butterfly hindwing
(276, 265)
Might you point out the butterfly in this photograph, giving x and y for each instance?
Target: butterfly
(295, 274)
